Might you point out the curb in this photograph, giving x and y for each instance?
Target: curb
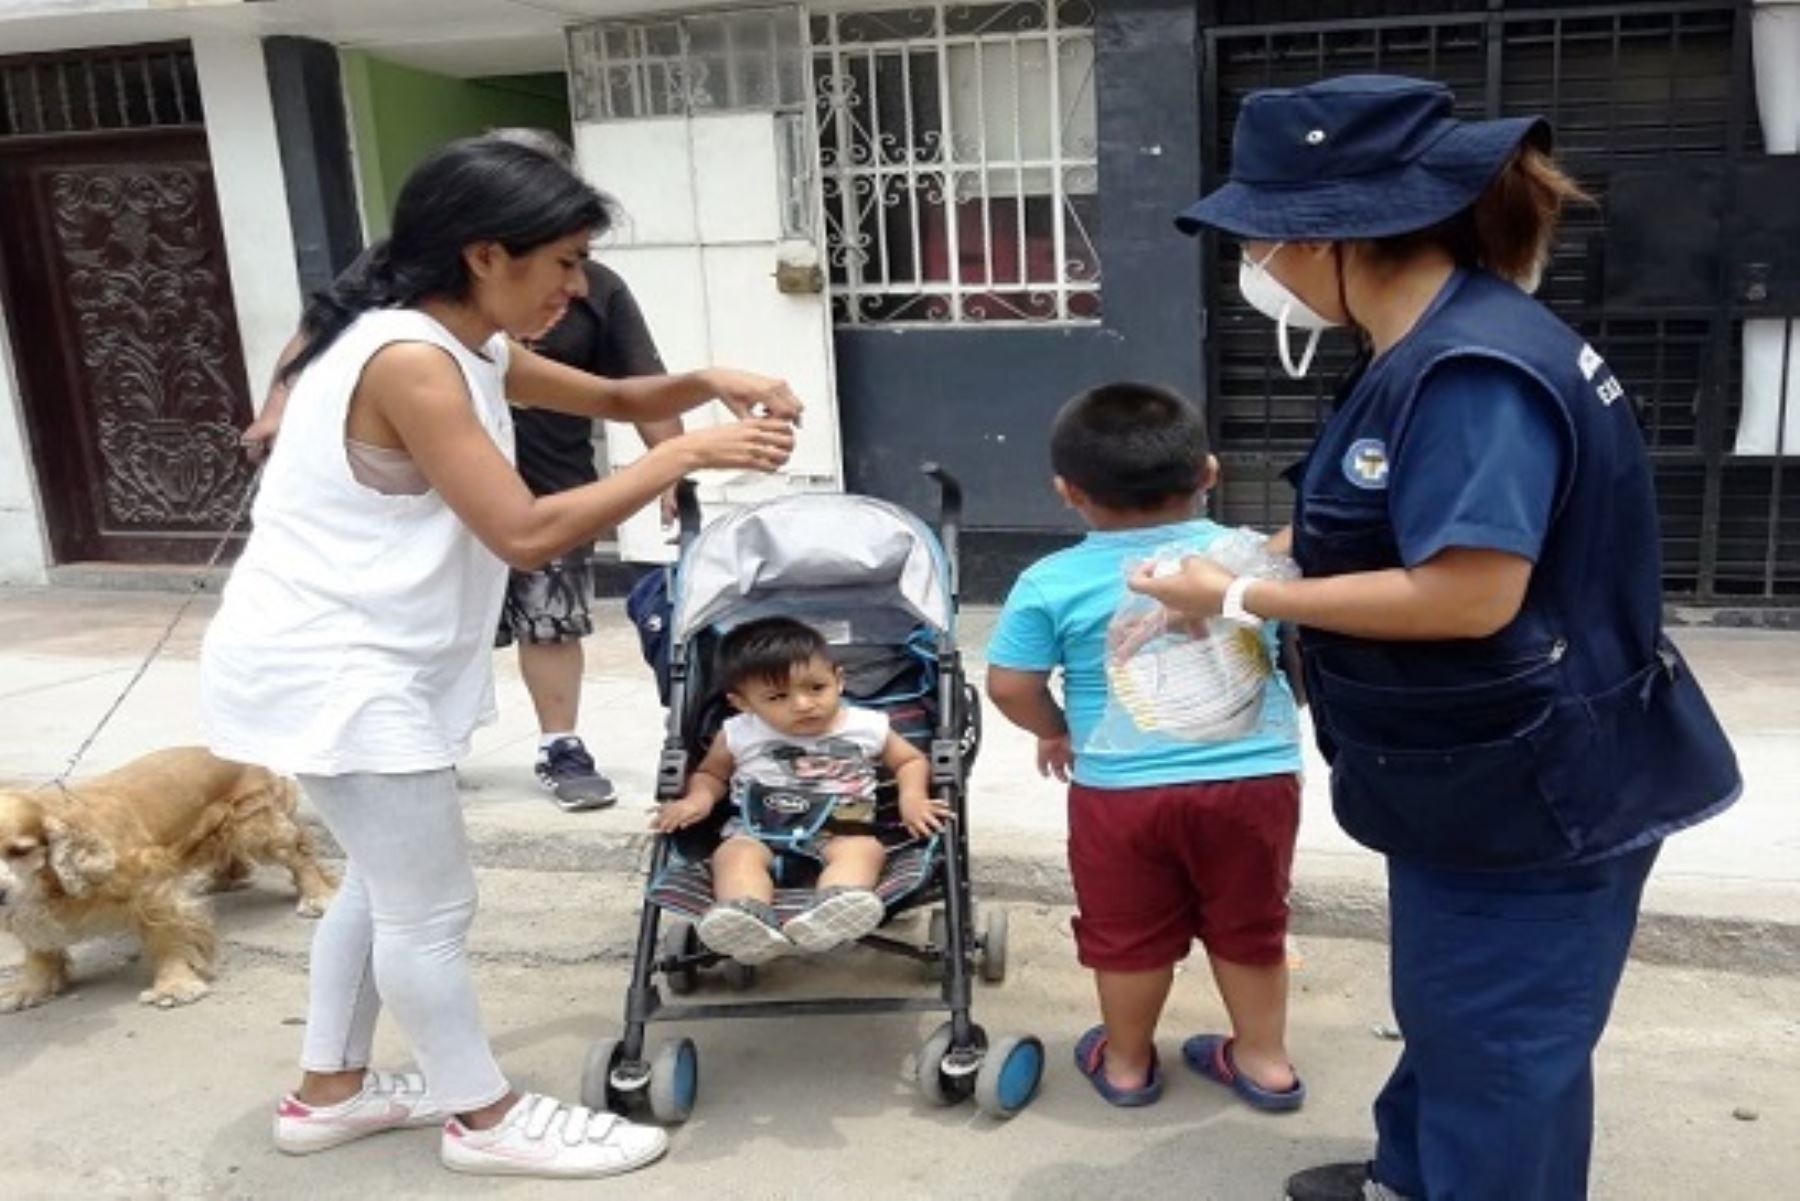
(1327, 902)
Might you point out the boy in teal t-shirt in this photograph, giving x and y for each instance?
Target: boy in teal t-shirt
(1171, 838)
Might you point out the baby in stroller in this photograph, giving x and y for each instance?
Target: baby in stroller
(800, 769)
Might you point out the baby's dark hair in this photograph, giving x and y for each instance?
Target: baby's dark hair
(1131, 447)
(767, 651)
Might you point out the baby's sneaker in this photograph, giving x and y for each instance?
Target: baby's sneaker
(840, 915)
(744, 930)
(540, 1136)
(388, 1101)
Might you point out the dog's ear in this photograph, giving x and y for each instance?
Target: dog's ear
(78, 859)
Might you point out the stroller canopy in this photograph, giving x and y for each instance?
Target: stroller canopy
(854, 551)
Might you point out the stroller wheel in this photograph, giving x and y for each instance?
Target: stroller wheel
(597, 1091)
(739, 977)
(993, 947)
(674, 1081)
(946, 1075)
(1009, 1076)
(681, 942)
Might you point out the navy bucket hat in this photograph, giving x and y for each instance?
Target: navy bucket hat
(1360, 156)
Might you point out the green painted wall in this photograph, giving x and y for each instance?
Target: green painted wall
(399, 115)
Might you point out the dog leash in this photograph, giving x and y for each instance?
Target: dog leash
(198, 587)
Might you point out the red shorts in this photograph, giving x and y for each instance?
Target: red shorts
(1156, 868)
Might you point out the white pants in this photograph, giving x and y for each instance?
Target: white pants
(1769, 342)
(396, 933)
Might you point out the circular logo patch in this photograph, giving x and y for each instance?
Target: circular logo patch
(1366, 464)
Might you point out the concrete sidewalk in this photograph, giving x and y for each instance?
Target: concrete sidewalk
(112, 1100)
(1726, 895)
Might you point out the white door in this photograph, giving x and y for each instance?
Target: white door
(701, 128)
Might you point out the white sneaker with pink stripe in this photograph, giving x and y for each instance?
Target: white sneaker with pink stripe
(540, 1136)
(388, 1101)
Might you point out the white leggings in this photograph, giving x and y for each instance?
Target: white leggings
(397, 933)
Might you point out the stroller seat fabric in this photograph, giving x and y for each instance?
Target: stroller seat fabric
(685, 888)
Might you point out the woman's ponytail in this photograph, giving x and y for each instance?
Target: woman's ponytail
(366, 284)
(1508, 229)
(1515, 219)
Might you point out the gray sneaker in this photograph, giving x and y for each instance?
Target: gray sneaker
(743, 930)
(569, 775)
(838, 916)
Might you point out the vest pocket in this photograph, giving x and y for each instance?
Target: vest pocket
(1606, 738)
(1338, 536)
(1454, 775)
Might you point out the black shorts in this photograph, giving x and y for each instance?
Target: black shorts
(552, 604)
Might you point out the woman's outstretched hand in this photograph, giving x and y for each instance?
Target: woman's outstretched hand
(1195, 589)
(750, 395)
(754, 444)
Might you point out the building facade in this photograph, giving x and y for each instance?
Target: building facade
(940, 219)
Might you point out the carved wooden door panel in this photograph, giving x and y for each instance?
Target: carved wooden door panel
(126, 343)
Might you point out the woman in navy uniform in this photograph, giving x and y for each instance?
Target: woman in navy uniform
(1481, 616)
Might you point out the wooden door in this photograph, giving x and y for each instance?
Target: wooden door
(119, 298)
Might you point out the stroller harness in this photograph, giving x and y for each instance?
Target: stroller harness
(789, 793)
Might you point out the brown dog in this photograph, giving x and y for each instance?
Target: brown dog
(128, 850)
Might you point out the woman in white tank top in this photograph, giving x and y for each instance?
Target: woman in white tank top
(352, 646)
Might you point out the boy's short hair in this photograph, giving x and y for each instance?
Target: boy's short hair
(1130, 446)
(768, 650)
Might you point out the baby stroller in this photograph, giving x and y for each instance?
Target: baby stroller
(881, 587)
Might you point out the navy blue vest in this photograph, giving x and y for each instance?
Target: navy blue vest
(1576, 732)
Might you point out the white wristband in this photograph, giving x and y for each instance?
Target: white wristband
(1232, 608)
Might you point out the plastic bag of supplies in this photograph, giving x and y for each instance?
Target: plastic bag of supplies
(1181, 680)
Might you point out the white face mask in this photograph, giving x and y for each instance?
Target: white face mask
(1270, 297)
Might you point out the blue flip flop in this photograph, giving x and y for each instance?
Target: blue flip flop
(1210, 1055)
(1090, 1061)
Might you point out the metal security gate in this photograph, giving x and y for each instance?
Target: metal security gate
(1695, 233)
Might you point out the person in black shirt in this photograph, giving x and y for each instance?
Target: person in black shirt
(548, 612)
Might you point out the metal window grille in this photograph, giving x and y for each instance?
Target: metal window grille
(958, 154)
(707, 63)
(94, 91)
(1630, 88)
